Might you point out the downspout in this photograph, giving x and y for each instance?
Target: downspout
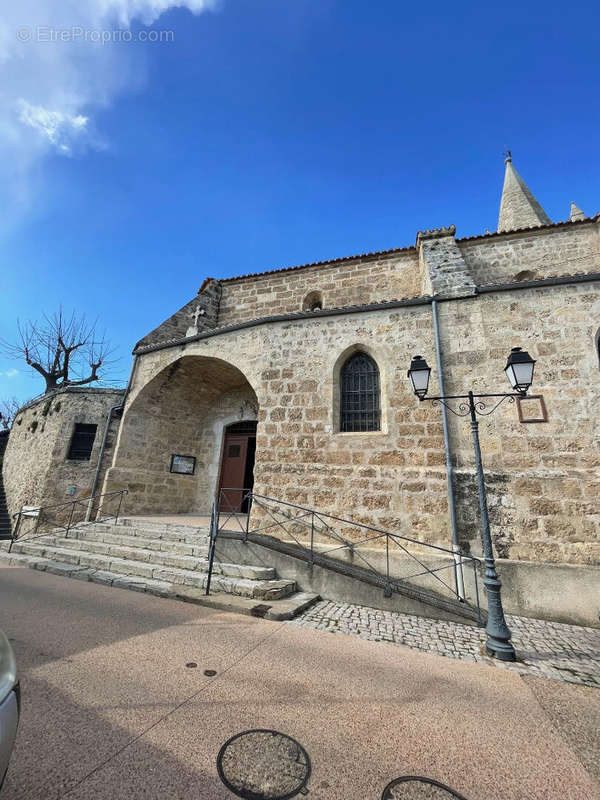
(458, 571)
(109, 417)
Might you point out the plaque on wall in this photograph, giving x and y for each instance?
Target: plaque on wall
(183, 465)
(532, 409)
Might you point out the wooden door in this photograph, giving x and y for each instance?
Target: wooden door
(233, 470)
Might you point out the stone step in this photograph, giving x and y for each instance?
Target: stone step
(173, 533)
(278, 610)
(275, 608)
(245, 587)
(153, 558)
(229, 523)
(158, 525)
(113, 535)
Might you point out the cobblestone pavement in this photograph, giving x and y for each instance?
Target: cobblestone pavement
(549, 649)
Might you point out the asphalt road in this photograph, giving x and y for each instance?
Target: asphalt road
(111, 711)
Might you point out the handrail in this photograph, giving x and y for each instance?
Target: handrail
(214, 532)
(319, 523)
(39, 511)
(249, 494)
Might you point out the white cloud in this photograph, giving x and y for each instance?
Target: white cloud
(51, 88)
(58, 128)
(10, 373)
(147, 11)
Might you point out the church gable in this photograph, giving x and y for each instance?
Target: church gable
(199, 315)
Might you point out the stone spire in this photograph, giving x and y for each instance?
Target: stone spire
(518, 207)
(576, 213)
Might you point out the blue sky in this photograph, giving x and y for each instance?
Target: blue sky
(270, 133)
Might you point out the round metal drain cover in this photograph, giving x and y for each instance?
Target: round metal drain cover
(416, 788)
(263, 765)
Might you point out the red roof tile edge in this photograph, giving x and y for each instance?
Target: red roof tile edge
(320, 263)
(332, 261)
(533, 228)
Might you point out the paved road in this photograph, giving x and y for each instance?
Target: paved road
(111, 711)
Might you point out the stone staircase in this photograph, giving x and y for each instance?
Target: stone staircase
(164, 559)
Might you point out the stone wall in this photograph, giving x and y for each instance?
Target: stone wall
(36, 470)
(439, 265)
(353, 281)
(442, 261)
(543, 478)
(543, 253)
(300, 458)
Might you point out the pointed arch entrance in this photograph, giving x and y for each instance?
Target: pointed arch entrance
(237, 465)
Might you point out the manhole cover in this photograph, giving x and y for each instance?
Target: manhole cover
(264, 765)
(415, 788)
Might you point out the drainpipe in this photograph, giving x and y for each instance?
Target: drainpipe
(120, 407)
(458, 570)
(100, 457)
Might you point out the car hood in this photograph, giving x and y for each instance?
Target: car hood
(8, 667)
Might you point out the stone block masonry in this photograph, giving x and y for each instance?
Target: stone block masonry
(442, 261)
(36, 469)
(355, 281)
(542, 479)
(537, 253)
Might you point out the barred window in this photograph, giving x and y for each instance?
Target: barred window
(82, 442)
(359, 385)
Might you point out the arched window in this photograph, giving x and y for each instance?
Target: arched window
(359, 394)
(312, 302)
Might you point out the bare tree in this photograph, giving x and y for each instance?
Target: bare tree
(66, 351)
(8, 411)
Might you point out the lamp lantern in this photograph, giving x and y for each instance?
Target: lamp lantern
(419, 373)
(519, 369)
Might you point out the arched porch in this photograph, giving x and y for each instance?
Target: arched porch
(170, 452)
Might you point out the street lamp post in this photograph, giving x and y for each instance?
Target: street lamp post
(519, 370)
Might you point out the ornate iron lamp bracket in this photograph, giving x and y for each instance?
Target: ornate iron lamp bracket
(479, 406)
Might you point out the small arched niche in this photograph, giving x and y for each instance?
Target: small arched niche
(525, 275)
(313, 302)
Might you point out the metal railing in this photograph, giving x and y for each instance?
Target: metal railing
(312, 531)
(45, 520)
(214, 532)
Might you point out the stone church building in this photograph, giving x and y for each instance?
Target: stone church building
(293, 382)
